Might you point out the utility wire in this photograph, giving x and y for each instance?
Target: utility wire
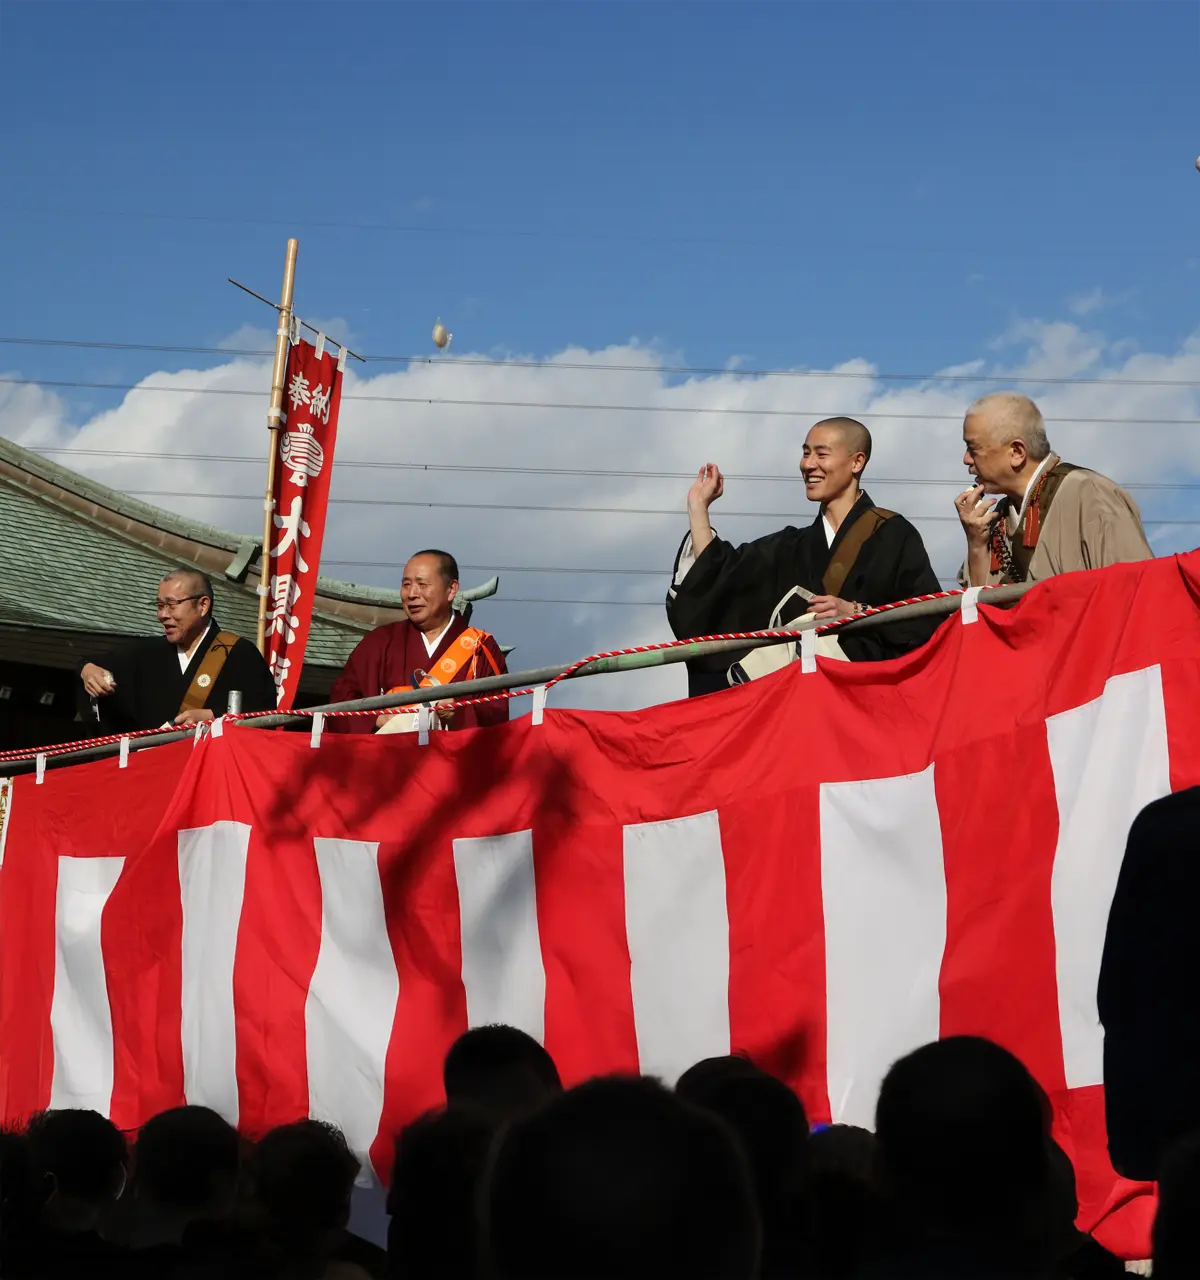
(479, 468)
(518, 506)
(589, 408)
(500, 568)
(587, 367)
(512, 568)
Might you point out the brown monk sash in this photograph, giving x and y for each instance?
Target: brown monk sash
(838, 570)
(209, 669)
(1024, 543)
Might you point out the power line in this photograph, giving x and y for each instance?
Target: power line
(607, 604)
(501, 568)
(514, 568)
(589, 408)
(584, 366)
(524, 471)
(518, 506)
(609, 237)
(157, 347)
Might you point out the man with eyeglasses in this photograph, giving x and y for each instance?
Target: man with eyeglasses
(184, 677)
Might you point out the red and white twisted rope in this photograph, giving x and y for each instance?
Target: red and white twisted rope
(502, 695)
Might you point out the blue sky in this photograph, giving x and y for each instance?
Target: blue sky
(781, 181)
(911, 186)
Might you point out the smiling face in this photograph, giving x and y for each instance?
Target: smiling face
(427, 594)
(829, 466)
(183, 609)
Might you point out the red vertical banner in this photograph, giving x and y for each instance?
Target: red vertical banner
(312, 396)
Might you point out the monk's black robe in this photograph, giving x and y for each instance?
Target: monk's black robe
(731, 588)
(150, 685)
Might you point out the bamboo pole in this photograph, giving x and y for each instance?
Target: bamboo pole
(274, 417)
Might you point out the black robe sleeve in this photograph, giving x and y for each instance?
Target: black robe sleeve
(121, 711)
(150, 686)
(727, 588)
(730, 588)
(892, 565)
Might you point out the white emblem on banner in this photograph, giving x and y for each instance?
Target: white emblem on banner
(204, 680)
(280, 666)
(301, 450)
(285, 591)
(294, 528)
(298, 392)
(319, 404)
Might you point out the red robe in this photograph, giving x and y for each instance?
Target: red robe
(388, 657)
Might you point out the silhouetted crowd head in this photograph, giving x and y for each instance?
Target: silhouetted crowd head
(617, 1178)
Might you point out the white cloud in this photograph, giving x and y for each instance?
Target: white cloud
(335, 327)
(1098, 299)
(1084, 304)
(252, 337)
(249, 337)
(916, 467)
(30, 412)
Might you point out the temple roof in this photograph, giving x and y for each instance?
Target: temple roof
(82, 560)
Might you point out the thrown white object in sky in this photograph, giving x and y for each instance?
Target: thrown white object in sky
(441, 339)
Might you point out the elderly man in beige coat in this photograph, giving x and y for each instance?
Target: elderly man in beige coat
(1051, 517)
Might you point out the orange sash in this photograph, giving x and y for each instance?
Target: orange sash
(463, 652)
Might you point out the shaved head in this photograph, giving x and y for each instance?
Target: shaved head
(835, 454)
(190, 580)
(1007, 416)
(853, 434)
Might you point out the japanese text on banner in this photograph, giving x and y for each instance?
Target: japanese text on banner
(312, 396)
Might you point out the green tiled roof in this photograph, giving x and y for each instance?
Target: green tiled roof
(61, 569)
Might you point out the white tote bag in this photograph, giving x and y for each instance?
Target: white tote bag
(770, 658)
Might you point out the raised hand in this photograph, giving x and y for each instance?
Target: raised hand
(976, 515)
(709, 485)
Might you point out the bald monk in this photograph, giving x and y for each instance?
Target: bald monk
(1050, 516)
(431, 645)
(853, 554)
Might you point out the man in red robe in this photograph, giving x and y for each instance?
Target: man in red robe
(433, 645)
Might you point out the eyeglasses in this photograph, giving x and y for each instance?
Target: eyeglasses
(171, 603)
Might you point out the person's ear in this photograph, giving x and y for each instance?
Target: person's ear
(1019, 454)
(858, 464)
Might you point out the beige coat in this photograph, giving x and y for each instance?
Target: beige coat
(1091, 523)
